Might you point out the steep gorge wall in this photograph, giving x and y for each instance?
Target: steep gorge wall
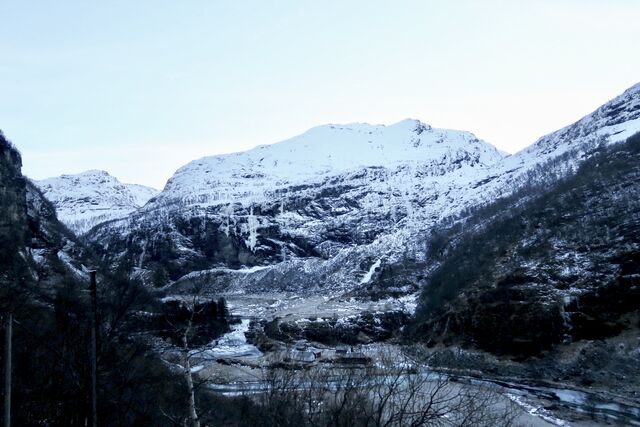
(13, 214)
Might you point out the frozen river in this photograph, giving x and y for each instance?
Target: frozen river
(231, 345)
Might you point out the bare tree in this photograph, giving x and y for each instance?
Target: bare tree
(394, 393)
(186, 348)
(185, 332)
(188, 373)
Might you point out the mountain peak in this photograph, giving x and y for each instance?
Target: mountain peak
(414, 125)
(95, 172)
(633, 90)
(87, 198)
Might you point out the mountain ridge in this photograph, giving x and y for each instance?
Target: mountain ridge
(320, 152)
(233, 212)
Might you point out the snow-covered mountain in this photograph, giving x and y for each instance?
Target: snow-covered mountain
(338, 206)
(312, 202)
(256, 175)
(93, 197)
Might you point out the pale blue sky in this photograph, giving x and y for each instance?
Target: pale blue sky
(139, 88)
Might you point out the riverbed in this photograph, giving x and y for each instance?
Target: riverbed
(233, 366)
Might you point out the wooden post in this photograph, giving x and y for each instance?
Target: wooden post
(7, 370)
(94, 339)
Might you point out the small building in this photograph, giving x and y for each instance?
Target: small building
(342, 351)
(353, 358)
(303, 356)
(301, 346)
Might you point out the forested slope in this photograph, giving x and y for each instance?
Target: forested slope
(550, 264)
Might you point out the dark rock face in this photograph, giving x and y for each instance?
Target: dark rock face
(34, 245)
(550, 265)
(13, 217)
(184, 243)
(361, 329)
(56, 251)
(13, 209)
(601, 312)
(183, 240)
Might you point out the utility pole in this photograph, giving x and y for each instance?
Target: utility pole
(94, 339)
(7, 370)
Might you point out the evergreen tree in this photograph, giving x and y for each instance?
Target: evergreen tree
(222, 308)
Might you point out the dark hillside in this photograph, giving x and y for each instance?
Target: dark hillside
(43, 285)
(554, 264)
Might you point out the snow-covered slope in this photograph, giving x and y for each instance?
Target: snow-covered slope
(337, 206)
(92, 197)
(560, 152)
(321, 152)
(613, 122)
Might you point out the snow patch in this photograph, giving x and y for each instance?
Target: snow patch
(232, 345)
(369, 274)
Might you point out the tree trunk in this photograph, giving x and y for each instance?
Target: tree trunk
(193, 413)
(7, 370)
(94, 357)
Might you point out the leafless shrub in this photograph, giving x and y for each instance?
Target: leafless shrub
(391, 393)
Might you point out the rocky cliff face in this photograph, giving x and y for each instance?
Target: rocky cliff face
(36, 249)
(44, 286)
(13, 217)
(12, 189)
(54, 249)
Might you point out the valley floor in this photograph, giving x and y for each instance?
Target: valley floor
(548, 390)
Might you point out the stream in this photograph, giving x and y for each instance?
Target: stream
(233, 344)
(581, 402)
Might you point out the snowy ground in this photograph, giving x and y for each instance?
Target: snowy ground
(233, 366)
(231, 345)
(294, 307)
